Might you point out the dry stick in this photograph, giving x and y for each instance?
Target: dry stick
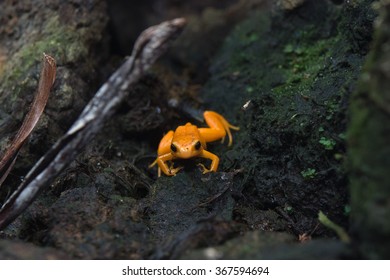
(46, 81)
(148, 48)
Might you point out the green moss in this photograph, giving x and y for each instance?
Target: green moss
(60, 41)
(303, 61)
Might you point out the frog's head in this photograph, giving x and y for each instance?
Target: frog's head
(187, 142)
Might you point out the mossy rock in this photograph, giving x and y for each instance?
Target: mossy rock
(294, 71)
(73, 34)
(369, 151)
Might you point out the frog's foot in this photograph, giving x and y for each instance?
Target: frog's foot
(204, 168)
(173, 171)
(227, 127)
(218, 128)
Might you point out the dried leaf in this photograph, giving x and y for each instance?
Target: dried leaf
(46, 81)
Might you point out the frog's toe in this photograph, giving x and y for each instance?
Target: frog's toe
(173, 171)
(204, 169)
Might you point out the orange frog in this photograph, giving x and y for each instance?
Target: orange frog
(189, 141)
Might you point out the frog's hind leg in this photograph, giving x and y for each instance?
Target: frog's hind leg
(219, 127)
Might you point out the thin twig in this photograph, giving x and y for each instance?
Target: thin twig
(148, 48)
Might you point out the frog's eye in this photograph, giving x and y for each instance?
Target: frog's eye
(173, 148)
(197, 145)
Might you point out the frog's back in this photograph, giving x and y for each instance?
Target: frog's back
(186, 134)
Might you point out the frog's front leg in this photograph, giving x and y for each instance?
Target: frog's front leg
(214, 162)
(162, 164)
(164, 154)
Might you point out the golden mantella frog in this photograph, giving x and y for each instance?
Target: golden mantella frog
(189, 141)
